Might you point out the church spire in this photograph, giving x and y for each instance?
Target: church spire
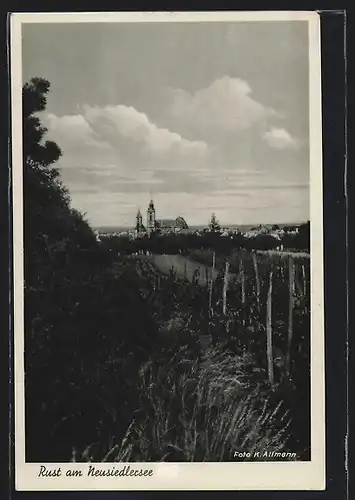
(151, 217)
(139, 222)
(151, 204)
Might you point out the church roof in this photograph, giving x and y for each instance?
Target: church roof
(166, 222)
(182, 222)
(178, 222)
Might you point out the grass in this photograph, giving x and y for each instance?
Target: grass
(195, 405)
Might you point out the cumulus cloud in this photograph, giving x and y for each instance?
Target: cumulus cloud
(279, 138)
(101, 126)
(224, 107)
(132, 124)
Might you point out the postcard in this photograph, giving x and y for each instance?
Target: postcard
(168, 322)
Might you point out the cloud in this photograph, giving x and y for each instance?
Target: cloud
(279, 138)
(118, 137)
(132, 124)
(224, 107)
(203, 150)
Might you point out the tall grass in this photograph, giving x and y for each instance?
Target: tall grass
(197, 410)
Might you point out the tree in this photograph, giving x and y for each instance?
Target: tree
(304, 236)
(57, 243)
(214, 224)
(77, 309)
(49, 220)
(35, 152)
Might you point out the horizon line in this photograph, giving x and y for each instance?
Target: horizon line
(221, 224)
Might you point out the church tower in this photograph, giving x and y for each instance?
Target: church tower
(151, 218)
(139, 223)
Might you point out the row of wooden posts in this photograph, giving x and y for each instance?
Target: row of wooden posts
(291, 289)
(292, 282)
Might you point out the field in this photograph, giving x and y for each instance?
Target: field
(185, 268)
(194, 266)
(239, 290)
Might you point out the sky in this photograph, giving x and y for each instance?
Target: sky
(204, 117)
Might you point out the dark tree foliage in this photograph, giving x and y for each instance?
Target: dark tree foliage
(300, 240)
(214, 224)
(304, 236)
(82, 316)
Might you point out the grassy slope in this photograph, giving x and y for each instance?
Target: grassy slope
(193, 404)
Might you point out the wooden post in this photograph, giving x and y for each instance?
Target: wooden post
(211, 284)
(225, 288)
(242, 278)
(256, 270)
(282, 270)
(291, 279)
(198, 275)
(299, 286)
(269, 350)
(304, 280)
(206, 276)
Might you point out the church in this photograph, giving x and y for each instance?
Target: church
(158, 226)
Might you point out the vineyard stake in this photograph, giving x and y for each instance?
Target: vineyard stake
(291, 279)
(270, 361)
(241, 272)
(304, 280)
(299, 287)
(211, 284)
(255, 263)
(242, 277)
(197, 276)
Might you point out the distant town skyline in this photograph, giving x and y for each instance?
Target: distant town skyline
(203, 117)
(199, 226)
